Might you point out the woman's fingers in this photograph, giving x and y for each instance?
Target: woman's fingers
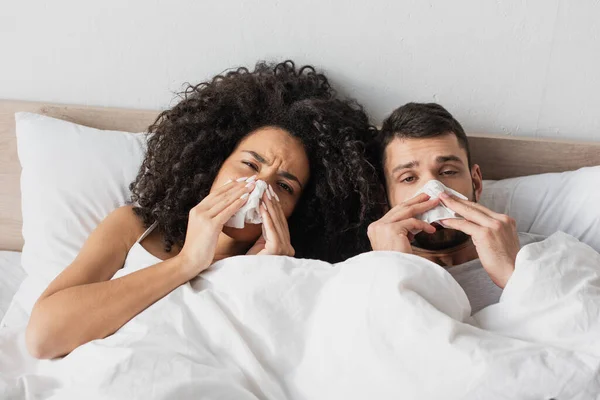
(217, 194)
(275, 226)
(221, 202)
(276, 243)
(269, 231)
(273, 194)
(281, 217)
(228, 210)
(273, 209)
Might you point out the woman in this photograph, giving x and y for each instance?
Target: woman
(278, 124)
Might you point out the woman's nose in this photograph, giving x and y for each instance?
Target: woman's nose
(267, 174)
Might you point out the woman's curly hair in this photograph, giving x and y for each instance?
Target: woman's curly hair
(190, 142)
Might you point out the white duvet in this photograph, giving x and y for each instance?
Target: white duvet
(378, 326)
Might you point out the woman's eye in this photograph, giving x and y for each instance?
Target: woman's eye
(409, 179)
(254, 167)
(286, 187)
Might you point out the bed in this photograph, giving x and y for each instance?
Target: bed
(500, 157)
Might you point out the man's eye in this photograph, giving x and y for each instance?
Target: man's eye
(449, 173)
(409, 179)
(286, 187)
(254, 167)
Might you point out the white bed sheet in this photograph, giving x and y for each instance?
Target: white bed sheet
(381, 325)
(11, 276)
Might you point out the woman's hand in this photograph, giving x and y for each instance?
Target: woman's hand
(206, 222)
(275, 239)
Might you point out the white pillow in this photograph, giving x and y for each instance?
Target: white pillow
(546, 203)
(73, 177)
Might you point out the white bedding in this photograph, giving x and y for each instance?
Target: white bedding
(378, 326)
(11, 276)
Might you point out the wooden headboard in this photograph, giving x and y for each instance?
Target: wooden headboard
(499, 156)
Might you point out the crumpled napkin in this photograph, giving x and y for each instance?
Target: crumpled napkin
(434, 188)
(250, 212)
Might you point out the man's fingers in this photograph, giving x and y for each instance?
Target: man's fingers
(450, 198)
(413, 224)
(405, 212)
(416, 200)
(468, 210)
(402, 227)
(421, 198)
(462, 225)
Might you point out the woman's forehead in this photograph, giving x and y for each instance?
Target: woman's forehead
(273, 141)
(276, 144)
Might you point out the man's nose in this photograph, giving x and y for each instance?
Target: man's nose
(430, 176)
(424, 179)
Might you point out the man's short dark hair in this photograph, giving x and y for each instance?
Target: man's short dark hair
(418, 121)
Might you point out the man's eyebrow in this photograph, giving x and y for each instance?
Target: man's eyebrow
(438, 159)
(284, 174)
(451, 157)
(411, 164)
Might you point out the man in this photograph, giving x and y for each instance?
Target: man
(423, 142)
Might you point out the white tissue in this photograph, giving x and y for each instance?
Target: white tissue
(434, 188)
(250, 212)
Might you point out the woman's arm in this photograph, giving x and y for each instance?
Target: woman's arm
(82, 304)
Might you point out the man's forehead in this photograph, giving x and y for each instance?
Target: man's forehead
(405, 150)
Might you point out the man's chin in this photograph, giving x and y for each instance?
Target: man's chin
(442, 239)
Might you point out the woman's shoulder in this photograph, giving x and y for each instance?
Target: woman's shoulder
(128, 223)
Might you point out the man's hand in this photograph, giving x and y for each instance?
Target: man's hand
(494, 236)
(392, 231)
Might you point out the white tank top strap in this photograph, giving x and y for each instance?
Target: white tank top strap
(147, 232)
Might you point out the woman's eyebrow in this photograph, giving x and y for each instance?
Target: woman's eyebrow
(284, 174)
(257, 156)
(289, 176)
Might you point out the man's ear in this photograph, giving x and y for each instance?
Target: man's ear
(477, 180)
